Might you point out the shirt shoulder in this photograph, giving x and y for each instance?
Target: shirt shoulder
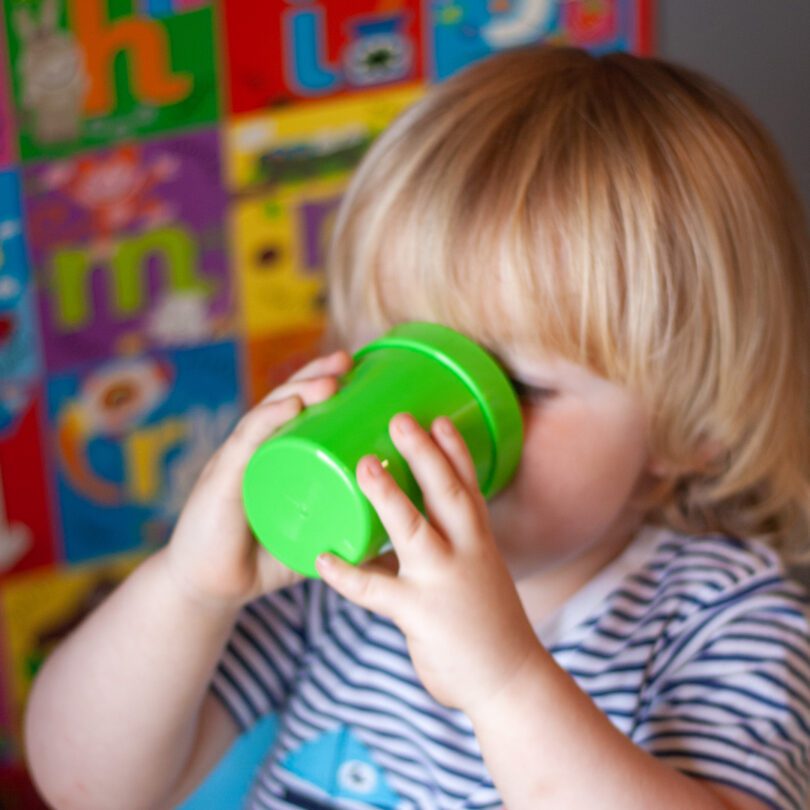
(725, 695)
(702, 584)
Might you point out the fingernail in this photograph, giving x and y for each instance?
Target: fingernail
(444, 426)
(405, 423)
(373, 466)
(324, 560)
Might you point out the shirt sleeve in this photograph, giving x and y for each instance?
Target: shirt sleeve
(734, 704)
(263, 655)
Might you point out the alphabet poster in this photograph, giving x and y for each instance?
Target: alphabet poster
(465, 31)
(74, 90)
(128, 246)
(169, 175)
(26, 510)
(131, 436)
(324, 48)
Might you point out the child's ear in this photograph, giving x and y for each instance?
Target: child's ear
(659, 467)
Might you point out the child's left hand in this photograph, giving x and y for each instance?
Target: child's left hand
(453, 596)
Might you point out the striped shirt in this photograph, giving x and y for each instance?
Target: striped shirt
(696, 648)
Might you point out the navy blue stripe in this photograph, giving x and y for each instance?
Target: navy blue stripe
(434, 715)
(734, 766)
(767, 676)
(332, 719)
(686, 718)
(709, 657)
(630, 642)
(247, 637)
(701, 720)
(747, 789)
(698, 552)
(663, 665)
(346, 676)
(622, 653)
(757, 697)
(251, 707)
(289, 637)
(770, 639)
(250, 676)
(766, 622)
(745, 750)
(402, 719)
(375, 666)
(696, 573)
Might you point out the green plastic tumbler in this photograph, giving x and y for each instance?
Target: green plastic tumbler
(299, 489)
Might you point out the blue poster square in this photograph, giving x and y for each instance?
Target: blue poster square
(130, 438)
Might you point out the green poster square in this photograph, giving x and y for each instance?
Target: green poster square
(87, 73)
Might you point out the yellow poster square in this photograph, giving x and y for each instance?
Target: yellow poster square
(324, 139)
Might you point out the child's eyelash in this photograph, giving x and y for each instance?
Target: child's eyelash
(531, 393)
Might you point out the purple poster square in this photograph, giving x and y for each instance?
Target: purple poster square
(315, 217)
(128, 246)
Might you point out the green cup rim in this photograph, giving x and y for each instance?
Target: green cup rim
(484, 377)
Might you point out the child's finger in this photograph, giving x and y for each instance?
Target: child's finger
(449, 499)
(371, 587)
(311, 390)
(275, 410)
(316, 381)
(458, 454)
(336, 363)
(387, 562)
(415, 541)
(257, 425)
(225, 468)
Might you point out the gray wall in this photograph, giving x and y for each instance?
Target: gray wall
(759, 49)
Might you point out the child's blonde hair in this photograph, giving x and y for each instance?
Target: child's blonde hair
(629, 215)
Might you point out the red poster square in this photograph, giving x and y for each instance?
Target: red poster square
(279, 51)
(26, 529)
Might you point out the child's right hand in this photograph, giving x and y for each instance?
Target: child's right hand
(212, 555)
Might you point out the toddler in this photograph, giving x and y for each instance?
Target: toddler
(615, 629)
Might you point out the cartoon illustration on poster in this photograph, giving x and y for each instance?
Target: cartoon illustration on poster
(7, 146)
(325, 48)
(26, 528)
(131, 436)
(129, 248)
(73, 90)
(19, 344)
(465, 31)
(309, 142)
(40, 608)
